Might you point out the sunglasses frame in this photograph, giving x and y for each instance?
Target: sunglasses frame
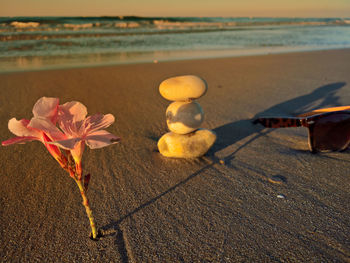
(307, 120)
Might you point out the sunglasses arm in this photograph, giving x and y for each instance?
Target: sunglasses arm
(319, 111)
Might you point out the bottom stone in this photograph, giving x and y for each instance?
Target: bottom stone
(191, 145)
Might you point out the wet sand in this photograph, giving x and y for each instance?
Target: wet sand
(268, 200)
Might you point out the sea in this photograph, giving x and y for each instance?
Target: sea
(28, 43)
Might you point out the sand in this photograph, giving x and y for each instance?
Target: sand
(268, 200)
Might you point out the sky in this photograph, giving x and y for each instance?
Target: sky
(228, 8)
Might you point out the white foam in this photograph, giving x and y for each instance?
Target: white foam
(164, 24)
(24, 24)
(127, 24)
(78, 26)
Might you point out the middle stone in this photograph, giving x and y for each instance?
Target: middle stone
(184, 117)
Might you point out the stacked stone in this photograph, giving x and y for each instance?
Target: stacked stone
(184, 117)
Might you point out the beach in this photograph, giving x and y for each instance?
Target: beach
(258, 195)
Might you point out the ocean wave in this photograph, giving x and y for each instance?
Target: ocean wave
(78, 26)
(127, 24)
(157, 27)
(76, 33)
(164, 21)
(18, 24)
(124, 25)
(188, 24)
(69, 35)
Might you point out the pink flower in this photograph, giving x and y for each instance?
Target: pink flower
(45, 111)
(75, 130)
(80, 130)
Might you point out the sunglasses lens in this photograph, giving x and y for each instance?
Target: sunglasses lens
(332, 133)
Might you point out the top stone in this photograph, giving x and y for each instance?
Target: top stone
(183, 88)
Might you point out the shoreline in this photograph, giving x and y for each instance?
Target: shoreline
(42, 63)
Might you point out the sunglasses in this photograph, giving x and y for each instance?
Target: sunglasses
(329, 129)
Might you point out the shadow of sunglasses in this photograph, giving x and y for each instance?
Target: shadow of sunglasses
(329, 128)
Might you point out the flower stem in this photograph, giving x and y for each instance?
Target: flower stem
(87, 208)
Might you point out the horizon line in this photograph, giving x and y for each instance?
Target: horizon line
(148, 16)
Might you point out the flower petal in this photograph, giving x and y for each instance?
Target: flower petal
(22, 139)
(96, 122)
(68, 144)
(48, 127)
(101, 139)
(73, 110)
(77, 154)
(46, 108)
(20, 128)
(71, 116)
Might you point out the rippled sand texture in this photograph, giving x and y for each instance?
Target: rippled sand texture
(259, 195)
